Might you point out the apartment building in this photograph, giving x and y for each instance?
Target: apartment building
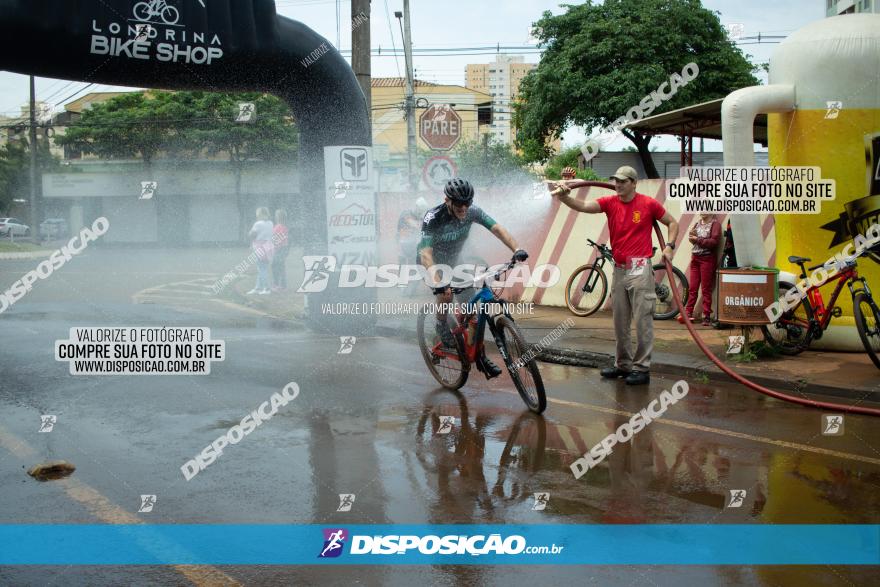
(500, 79)
(837, 7)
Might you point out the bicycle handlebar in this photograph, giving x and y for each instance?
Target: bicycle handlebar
(510, 264)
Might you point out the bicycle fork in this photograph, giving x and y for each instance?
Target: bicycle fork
(864, 287)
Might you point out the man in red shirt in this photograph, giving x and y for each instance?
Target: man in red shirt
(631, 219)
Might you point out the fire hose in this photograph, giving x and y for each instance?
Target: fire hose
(703, 347)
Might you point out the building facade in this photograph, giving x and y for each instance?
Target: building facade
(389, 122)
(837, 7)
(500, 79)
(199, 201)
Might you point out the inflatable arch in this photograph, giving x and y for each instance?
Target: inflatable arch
(210, 45)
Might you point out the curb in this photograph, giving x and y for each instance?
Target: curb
(25, 255)
(585, 358)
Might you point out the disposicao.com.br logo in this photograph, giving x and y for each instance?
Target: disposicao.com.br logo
(431, 544)
(320, 271)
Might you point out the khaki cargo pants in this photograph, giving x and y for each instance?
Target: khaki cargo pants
(633, 298)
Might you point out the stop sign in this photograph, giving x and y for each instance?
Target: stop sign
(440, 127)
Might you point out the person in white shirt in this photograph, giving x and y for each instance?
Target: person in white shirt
(261, 242)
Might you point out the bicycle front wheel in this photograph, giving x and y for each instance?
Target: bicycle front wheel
(867, 317)
(586, 290)
(522, 366)
(792, 332)
(170, 15)
(665, 307)
(448, 364)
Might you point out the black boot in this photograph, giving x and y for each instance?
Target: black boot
(613, 373)
(638, 378)
(488, 368)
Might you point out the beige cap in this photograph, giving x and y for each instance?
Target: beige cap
(626, 172)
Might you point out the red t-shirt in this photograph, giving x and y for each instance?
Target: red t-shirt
(630, 225)
(280, 235)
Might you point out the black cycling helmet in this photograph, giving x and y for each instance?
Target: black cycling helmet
(459, 190)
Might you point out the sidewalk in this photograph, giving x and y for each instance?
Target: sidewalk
(591, 342)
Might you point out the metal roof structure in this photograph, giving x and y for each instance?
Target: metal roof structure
(697, 121)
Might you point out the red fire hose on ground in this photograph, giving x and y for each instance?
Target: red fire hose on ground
(700, 343)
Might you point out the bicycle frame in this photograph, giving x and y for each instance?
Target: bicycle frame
(823, 314)
(602, 255)
(482, 299)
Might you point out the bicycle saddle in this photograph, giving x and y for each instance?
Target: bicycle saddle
(798, 260)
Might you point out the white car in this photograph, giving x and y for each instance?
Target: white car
(13, 226)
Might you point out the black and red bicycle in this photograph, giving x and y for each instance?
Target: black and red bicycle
(807, 321)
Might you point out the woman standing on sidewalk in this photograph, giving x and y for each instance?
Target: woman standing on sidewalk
(705, 236)
(261, 237)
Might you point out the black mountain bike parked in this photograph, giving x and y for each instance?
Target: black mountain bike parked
(587, 287)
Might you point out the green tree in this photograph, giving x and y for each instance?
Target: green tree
(271, 136)
(15, 161)
(13, 174)
(568, 158)
(488, 163)
(133, 125)
(601, 60)
(146, 125)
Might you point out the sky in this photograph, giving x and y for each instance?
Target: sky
(459, 23)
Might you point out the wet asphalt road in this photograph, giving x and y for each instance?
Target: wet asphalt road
(364, 423)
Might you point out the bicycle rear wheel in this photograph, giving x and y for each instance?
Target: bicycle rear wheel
(586, 290)
(867, 317)
(142, 11)
(792, 332)
(449, 366)
(525, 374)
(665, 306)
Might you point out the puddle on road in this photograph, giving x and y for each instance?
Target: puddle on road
(486, 462)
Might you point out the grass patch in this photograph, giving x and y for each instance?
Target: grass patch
(758, 349)
(8, 247)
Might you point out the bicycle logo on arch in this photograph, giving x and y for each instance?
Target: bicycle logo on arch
(158, 11)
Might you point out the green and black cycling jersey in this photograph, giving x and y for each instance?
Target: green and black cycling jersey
(445, 234)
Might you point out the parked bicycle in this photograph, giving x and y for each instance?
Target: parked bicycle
(145, 11)
(587, 287)
(451, 364)
(798, 327)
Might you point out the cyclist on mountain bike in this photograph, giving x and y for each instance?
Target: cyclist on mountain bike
(444, 231)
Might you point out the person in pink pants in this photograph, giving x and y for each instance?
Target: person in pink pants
(705, 236)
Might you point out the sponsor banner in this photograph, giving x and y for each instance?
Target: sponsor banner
(477, 544)
(352, 219)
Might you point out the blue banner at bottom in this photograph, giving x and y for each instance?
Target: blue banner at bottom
(663, 544)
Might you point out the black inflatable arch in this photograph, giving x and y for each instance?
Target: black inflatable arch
(210, 45)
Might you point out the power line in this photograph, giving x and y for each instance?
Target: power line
(393, 44)
(81, 90)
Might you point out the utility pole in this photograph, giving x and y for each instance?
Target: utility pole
(360, 47)
(32, 138)
(410, 95)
